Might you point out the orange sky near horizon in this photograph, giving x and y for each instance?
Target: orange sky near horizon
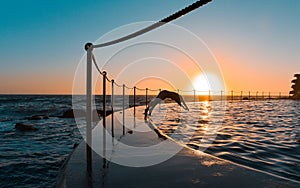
(241, 75)
(34, 83)
(237, 77)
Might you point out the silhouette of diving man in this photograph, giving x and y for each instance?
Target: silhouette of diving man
(162, 96)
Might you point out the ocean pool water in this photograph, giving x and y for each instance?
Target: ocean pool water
(264, 135)
(260, 134)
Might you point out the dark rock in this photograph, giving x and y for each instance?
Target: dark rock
(70, 113)
(23, 127)
(81, 113)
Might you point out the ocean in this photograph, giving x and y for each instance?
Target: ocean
(262, 134)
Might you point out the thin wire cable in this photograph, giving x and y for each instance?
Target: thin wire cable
(128, 87)
(141, 89)
(95, 63)
(186, 91)
(109, 80)
(118, 85)
(98, 69)
(153, 89)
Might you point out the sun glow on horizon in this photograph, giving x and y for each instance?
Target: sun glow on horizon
(201, 84)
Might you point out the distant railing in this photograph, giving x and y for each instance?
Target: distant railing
(189, 95)
(234, 95)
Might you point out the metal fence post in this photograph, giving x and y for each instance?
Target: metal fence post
(134, 98)
(112, 98)
(104, 99)
(249, 95)
(89, 110)
(146, 97)
(241, 95)
(134, 101)
(221, 95)
(123, 109)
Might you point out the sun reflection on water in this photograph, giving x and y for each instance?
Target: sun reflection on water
(260, 134)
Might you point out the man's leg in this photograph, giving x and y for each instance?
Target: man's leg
(183, 103)
(146, 112)
(153, 104)
(150, 107)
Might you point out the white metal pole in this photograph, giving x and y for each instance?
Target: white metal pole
(112, 108)
(221, 95)
(112, 94)
(123, 109)
(89, 109)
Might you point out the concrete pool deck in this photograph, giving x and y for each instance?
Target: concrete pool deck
(187, 168)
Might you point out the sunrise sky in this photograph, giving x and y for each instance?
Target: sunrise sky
(255, 43)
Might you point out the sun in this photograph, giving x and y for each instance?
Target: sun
(201, 84)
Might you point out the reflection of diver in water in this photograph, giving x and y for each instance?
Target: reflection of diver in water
(163, 95)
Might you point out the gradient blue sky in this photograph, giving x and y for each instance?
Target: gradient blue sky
(255, 42)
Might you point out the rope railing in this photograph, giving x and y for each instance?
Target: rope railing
(118, 85)
(96, 65)
(153, 90)
(128, 87)
(141, 89)
(109, 80)
(160, 23)
(186, 91)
